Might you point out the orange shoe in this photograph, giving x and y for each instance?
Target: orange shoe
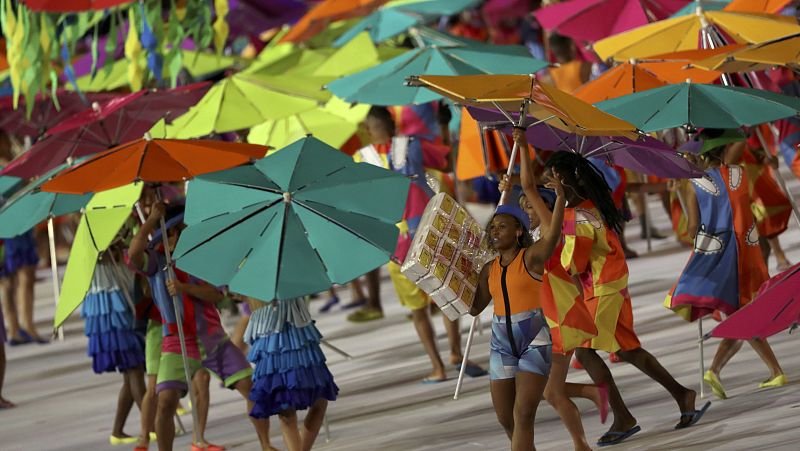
(576, 364)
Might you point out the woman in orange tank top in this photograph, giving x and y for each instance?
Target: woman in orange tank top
(520, 349)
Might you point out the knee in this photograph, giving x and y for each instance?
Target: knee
(552, 396)
(524, 412)
(506, 419)
(288, 417)
(168, 402)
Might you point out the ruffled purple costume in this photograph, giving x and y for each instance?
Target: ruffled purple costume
(290, 370)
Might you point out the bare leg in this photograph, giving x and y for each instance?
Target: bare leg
(356, 289)
(312, 423)
(422, 322)
(649, 365)
(148, 411)
(165, 425)
(261, 425)
(200, 383)
(765, 352)
(454, 338)
(504, 391)
(780, 255)
(556, 394)
(237, 336)
(585, 391)
(726, 350)
(600, 374)
(289, 430)
(124, 404)
(374, 290)
(10, 307)
(26, 277)
(530, 390)
(4, 403)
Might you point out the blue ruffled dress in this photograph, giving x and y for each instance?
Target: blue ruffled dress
(19, 252)
(115, 344)
(290, 371)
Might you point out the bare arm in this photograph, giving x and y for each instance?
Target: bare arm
(482, 294)
(140, 240)
(552, 233)
(528, 181)
(203, 292)
(733, 154)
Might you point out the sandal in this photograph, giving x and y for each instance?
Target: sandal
(472, 370)
(615, 438)
(6, 404)
(329, 305)
(692, 416)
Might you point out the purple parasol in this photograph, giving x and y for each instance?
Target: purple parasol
(646, 155)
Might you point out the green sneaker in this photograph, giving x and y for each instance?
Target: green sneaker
(364, 315)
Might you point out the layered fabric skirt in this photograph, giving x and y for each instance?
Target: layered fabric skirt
(290, 371)
(109, 322)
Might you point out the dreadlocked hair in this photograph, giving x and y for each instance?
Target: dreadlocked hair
(588, 183)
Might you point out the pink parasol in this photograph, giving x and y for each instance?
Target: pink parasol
(775, 308)
(104, 125)
(592, 20)
(66, 6)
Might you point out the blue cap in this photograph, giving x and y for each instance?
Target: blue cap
(515, 211)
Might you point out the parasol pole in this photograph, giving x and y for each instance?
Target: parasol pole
(700, 345)
(179, 321)
(514, 150)
(335, 349)
(140, 214)
(51, 237)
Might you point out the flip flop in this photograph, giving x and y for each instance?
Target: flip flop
(329, 305)
(6, 404)
(694, 416)
(428, 381)
(618, 437)
(472, 370)
(603, 389)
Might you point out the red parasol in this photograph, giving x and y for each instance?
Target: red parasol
(104, 126)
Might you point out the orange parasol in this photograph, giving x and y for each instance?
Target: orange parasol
(636, 76)
(318, 18)
(757, 6)
(508, 93)
(152, 160)
(480, 151)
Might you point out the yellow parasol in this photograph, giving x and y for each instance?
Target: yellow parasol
(682, 33)
(783, 51)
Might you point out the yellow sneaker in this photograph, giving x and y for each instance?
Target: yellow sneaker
(777, 381)
(716, 385)
(122, 440)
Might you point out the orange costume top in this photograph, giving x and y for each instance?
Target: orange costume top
(513, 288)
(595, 255)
